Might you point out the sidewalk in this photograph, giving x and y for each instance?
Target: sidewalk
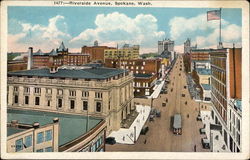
(217, 139)
(126, 136)
(157, 90)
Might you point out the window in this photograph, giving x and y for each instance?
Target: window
(16, 98)
(16, 89)
(98, 95)
(37, 100)
(48, 90)
(39, 150)
(72, 104)
(40, 137)
(37, 90)
(48, 149)
(59, 91)
(59, 103)
(26, 90)
(19, 145)
(142, 67)
(48, 135)
(143, 63)
(85, 105)
(72, 93)
(98, 106)
(28, 141)
(26, 100)
(85, 94)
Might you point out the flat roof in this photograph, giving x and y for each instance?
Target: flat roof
(206, 86)
(202, 71)
(87, 73)
(177, 121)
(143, 75)
(70, 126)
(13, 130)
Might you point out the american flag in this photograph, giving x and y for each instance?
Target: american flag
(213, 15)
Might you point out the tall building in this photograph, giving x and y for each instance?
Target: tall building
(145, 72)
(125, 52)
(200, 58)
(187, 46)
(226, 94)
(165, 45)
(97, 92)
(95, 52)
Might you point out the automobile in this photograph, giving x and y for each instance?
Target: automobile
(151, 118)
(171, 89)
(185, 87)
(202, 131)
(183, 95)
(158, 113)
(205, 143)
(198, 118)
(110, 140)
(163, 104)
(179, 74)
(144, 130)
(158, 82)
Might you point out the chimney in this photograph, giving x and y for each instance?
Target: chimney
(36, 125)
(30, 58)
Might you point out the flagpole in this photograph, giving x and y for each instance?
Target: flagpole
(220, 27)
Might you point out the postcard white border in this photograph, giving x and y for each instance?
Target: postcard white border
(135, 155)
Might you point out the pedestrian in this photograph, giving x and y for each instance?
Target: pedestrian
(145, 141)
(123, 138)
(195, 148)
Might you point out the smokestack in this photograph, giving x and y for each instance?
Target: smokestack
(30, 58)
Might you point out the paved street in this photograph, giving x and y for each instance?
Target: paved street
(160, 136)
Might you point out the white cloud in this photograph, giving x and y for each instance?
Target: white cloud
(119, 28)
(39, 36)
(204, 33)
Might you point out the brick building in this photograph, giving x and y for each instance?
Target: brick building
(145, 71)
(125, 52)
(200, 58)
(95, 52)
(226, 94)
(17, 65)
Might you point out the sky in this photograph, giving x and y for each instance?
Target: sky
(46, 27)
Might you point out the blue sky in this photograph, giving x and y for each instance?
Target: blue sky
(46, 27)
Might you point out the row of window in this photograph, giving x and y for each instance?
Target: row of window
(219, 108)
(126, 63)
(219, 74)
(60, 102)
(48, 149)
(97, 144)
(60, 92)
(219, 61)
(20, 144)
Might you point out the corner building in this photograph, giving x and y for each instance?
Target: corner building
(96, 92)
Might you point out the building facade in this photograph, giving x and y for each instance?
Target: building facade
(145, 71)
(165, 45)
(95, 52)
(125, 52)
(45, 136)
(32, 138)
(226, 94)
(200, 58)
(97, 92)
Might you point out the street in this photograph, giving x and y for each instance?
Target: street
(160, 136)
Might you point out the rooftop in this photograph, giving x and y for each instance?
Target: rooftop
(142, 75)
(202, 71)
(87, 73)
(67, 123)
(206, 86)
(12, 130)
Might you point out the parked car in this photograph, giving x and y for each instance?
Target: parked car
(144, 130)
(110, 140)
(151, 118)
(163, 104)
(185, 87)
(202, 131)
(205, 143)
(198, 118)
(158, 113)
(183, 95)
